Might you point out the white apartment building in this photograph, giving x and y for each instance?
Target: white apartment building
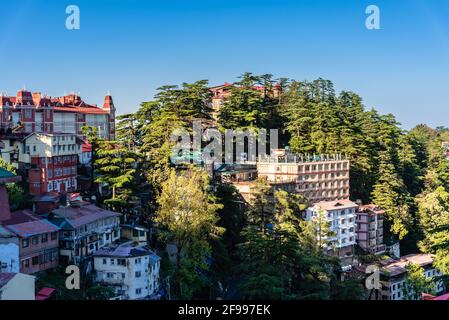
(341, 215)
(131, 269)
(394, 275)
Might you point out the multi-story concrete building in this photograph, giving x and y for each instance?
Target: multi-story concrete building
(85, 228)
(33, 112)
(53, 162)
(318, 178)
(132, 270)
(341, 216)
(47, 160)
(370, 229)
(37, 239)
(394, 274)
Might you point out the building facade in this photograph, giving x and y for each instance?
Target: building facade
(318, 178)
(37, 239)
(85, 229)
(33, 112)
(9, 251)
(131, 269)
(370, 229)
(135, 233)
(394, 274)
(53, 162)
(341, 216)
(48, 160)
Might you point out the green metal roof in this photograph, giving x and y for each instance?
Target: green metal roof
(6, 174)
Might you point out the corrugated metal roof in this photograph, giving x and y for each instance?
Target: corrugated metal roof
(27, 224)
(83, 215)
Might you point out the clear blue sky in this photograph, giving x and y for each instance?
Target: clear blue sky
(132, 47)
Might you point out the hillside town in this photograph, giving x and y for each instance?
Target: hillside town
(81, 186)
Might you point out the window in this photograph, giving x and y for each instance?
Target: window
(28, 114)
(54, 235)
(34, 240)
(35, 260)
(121, 262)
(26, 263)
(25, 243)
(138, 274)
(44, 238)
(138, 291)
(112, 261)
(109, 275)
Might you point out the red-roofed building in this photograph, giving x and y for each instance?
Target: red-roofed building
(31, 112)
(444, 297)
(37, 239)
(45, 294)
(220, 93)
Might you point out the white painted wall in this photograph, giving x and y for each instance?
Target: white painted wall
(125, 278)
(9, 255)
(21, 287)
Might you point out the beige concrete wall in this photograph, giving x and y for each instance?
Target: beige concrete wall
(21, 287)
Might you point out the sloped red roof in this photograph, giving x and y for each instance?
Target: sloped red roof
(87, 147)
(27, 224)
(66, 103)
(44, 293)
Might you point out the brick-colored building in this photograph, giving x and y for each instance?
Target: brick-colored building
(370, 228)
(48, 160)
(33, 112)
(37, 239)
